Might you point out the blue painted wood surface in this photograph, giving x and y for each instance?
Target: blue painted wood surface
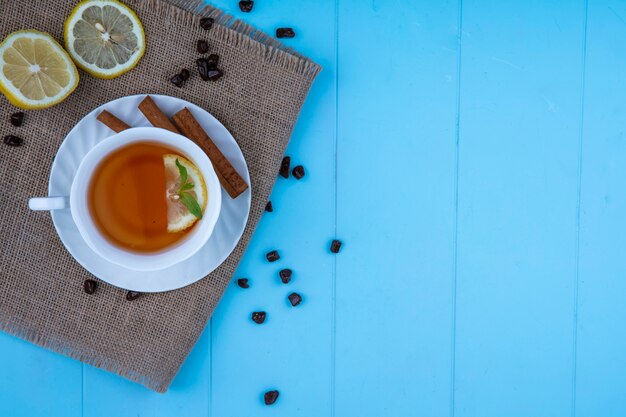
(472, 157)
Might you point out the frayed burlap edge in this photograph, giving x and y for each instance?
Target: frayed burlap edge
(63, 348)
(233, 31)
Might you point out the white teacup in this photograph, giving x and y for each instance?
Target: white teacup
(78, 206)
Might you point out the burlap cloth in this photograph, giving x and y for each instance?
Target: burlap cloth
(41, 296)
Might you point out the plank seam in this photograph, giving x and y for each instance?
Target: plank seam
(578, 215)
(334, 283)
(82, 389)
(210, 393)
(456, 212)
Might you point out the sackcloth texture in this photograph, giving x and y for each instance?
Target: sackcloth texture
(41, 297)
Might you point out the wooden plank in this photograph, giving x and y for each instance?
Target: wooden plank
(396, 205)
(37, 382)
(601, 347)
(106, 394)
(291, 351)
(521, 86)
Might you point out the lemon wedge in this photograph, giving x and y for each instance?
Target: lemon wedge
(35, 70)
(178, 215)
(104, 38)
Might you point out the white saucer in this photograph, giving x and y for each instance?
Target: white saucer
(228, 230)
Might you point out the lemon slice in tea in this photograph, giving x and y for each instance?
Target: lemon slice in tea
(35, 71)
(104, 37)
(179, 217)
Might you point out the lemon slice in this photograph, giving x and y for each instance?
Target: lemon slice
(178, 216)
(35, 71)
(104, 37)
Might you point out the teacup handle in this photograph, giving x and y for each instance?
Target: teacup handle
(47, 203)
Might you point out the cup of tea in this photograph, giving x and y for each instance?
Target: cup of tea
(145, 198)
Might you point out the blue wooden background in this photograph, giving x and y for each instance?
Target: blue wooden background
(472, 157)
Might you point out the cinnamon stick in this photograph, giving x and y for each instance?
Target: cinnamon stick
(112, 122)
(229, 177)
(155, 116)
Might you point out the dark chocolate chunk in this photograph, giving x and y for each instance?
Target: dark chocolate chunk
(214, 74)
(294, 298)
(213, 60)
(272, 256)
(12, 140)
(177, 80)
(298, 172)
(285, 275)
(285, 33)
(284, 167)
(90, 286)
(246, 5)
(270, 397)
(206, 23)
(243, 283)
(203, 68)
(268, 207)
(335, 246)
(132, 295)
(17, 119)
(184, 73)
(202, 46)
(258, 317)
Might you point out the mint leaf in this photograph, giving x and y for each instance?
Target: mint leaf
(191, 203)
(183, 173)
(186, 198)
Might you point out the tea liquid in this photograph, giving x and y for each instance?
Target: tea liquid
(127, 198)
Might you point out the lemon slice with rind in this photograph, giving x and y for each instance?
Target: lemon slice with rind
(35, 71)
(104, 37)
(178, 215)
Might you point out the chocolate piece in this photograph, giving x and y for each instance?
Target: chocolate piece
(203, 68)
(272, 256)
(294, 299)
(285, 33)
(246, 5)
(132, 295)
(285, 275)
(184, 73)
(12, 140)
(17, 119)
(270, 397)
(284, 167)
(213, 60)
(90, 286)
(258, 317)
(243, 283)
(177, 80)
(298, 172)
(214, 74)
(202, 46)
(335, 246)
(207, 70)
(268, 207)
(206, 23)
